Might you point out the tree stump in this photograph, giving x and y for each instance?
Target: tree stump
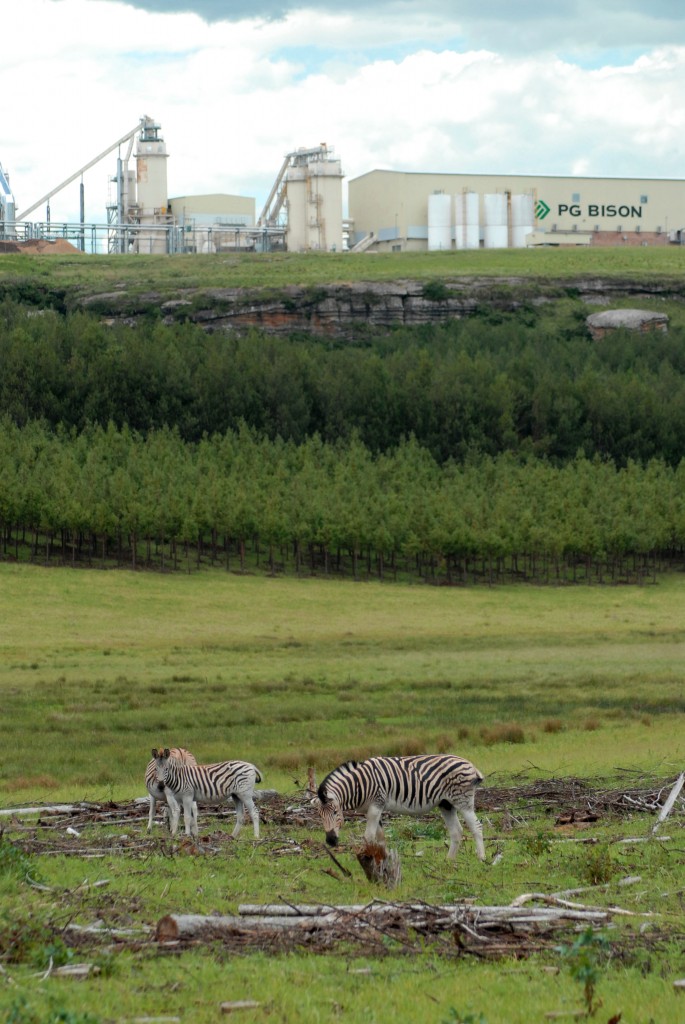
(380, 864)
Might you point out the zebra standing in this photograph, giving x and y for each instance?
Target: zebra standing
(155, 788)
(405, 785)
(208, 784)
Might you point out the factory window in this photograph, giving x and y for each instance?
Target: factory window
(575, 198)
(644, 199)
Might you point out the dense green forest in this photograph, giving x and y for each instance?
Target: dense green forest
(505, 446)
(528, 383)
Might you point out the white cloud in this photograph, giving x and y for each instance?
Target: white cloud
(233, 98)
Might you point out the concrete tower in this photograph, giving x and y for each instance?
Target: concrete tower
(152, 197)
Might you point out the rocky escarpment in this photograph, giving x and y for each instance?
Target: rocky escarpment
(341, 309)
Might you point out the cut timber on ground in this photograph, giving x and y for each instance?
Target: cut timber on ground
(380, 864)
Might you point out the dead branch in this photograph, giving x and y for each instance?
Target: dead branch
(348, 874)
(557, 902)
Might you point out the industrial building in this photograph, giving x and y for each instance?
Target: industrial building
(388, 211)
(303, 212)
(7, 210)
(393, 211)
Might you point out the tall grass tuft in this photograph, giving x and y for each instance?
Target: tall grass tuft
(504, 732)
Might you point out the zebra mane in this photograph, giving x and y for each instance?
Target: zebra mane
(322, 791)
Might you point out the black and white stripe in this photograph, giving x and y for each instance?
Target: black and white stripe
(403, 785)
(155, 788)
(208, 784)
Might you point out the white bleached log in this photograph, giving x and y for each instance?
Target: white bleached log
(272, 918)
(672, 797)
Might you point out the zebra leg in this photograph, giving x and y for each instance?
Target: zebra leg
(189, 816)
(239, 815)
(373, 825)
(476, 830)
(451, 820)
(174, 811)
(254, 815)
(151, 817)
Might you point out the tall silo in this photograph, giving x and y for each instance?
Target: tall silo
(495, 220)
(522, 219)
(439, 221)
(312, 195)
(466, 220)
(152, 196)
(7, 206)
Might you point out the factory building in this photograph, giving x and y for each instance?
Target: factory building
(394, 211)
(388, 211)
(214, 222)
(305, 201)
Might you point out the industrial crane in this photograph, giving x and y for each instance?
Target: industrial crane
(124, 138)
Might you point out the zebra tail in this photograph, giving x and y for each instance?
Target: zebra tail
(258, 775)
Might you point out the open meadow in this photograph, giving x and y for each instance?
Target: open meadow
(78, 272)
(569, 699)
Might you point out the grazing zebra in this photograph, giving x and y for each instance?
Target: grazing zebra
(156, 788)
(406, 785)
(208, 784)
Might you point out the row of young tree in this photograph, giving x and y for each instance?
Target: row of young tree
(240, 500)
(527, 383)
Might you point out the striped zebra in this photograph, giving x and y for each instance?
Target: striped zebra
(404, 785)
(207, 784)
(156, 789)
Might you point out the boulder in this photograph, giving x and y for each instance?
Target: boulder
(601, 324)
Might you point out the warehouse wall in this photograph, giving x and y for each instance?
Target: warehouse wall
(612, 211)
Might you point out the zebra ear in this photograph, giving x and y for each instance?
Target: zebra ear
(154, 752)
(166, 751)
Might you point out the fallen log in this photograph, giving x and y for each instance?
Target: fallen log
(357, 919)
(179, 927)
(668, 806)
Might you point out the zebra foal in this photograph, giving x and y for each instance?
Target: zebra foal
(155, 788)
(403, 785)
(207, 784)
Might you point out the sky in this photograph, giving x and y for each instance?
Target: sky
(570, 87)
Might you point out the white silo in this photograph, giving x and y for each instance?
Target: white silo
(466, 220)
(495, 211)
(522, 219)
(152, 195)
(439, 221)
(312, 195)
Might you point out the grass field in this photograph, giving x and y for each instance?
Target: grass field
(531, 683)
(80, 273)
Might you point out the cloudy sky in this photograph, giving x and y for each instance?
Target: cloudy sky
(583, 87)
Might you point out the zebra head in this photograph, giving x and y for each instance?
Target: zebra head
(331, 816)
(161, 757)
(331, 794)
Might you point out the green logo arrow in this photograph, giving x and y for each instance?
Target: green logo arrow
(541, 209)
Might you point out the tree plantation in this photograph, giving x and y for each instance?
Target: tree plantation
(240, 500)
(506, 446)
